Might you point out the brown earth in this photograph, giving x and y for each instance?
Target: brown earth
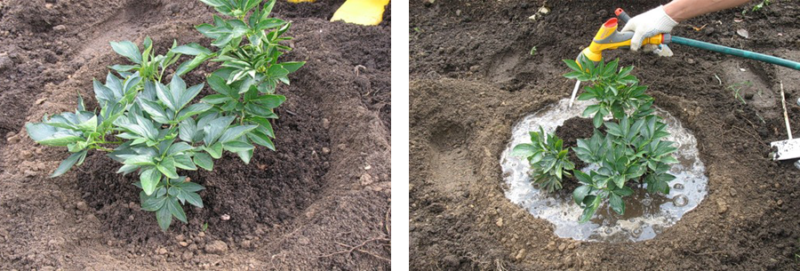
(326, 188)
(473, 77)
(572, 130)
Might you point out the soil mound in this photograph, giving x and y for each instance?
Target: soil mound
(288, 209)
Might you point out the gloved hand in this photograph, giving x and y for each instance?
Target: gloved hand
(653, 22)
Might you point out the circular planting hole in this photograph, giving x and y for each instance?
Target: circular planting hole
(646, 214)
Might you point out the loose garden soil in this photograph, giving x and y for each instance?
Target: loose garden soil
(326, 188)
(473, 77)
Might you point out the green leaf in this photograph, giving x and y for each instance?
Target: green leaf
(190, 186)
(144, 127)
(580, 193)
(658, 182)
(292, 66)
(523, 150)
(69, 162)
(665, 178)
(592, 109)
(267, 9)
(276, 71)
(187, 130)
(178, 148)
(572, 65)
(176, 209)
(235, 132)
(192, 49)
(89, 125)
(185, 191)
(614, 129)
(587, 214)
(588, 95)
(597, 120)
(190, 65)
(223, 39)
(610, 68)
(123, 68)
(188, 95)
(617, 204)
(624, 191)
(208, 30)
(589, 200)
(219, 85)
(167, 167)
(258, 110)
(264, 126)
(215, 3)
(669, 159)
(193, 110)
(152, 203)
(184, 161)
(583, 177)
(573, 75)
(204, 161)
(214, 150)
(664, 148)
(48, 135)
(164, 217)
(247, 5)
(126, 169)
(155, 110)
(165, 96)
(216, 99)
(140, 160)
(245, 156)
(150, 178)
(237, 146)
(127, 49)
(261, 139)
(148, 43)
(215, 129)
(193, 199)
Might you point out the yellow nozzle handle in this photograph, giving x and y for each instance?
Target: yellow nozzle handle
(608, 38)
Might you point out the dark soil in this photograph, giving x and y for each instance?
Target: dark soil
(572, 130)
(473, 78)
(325, 188)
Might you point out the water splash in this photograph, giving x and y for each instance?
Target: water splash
(646, 215)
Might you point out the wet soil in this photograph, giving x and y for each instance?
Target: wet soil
(572, 130)
(473, 77)
(326, 187)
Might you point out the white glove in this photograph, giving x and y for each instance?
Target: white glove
(648, 24)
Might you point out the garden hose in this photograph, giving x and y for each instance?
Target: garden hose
(719, 48)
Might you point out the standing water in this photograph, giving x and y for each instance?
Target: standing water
(646, 215)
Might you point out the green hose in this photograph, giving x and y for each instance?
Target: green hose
(736, 52)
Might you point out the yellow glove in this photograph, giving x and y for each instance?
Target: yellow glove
(363, 12)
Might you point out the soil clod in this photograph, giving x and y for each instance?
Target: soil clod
(217, 247)
(81, 205)
(451, 261)
(722, 207)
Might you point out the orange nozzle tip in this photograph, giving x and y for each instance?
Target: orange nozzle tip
(611, 22)
(618, 11)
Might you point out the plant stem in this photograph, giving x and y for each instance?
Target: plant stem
(102, 148)
(109, 142)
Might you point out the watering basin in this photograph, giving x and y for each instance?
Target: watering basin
(646, 215)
